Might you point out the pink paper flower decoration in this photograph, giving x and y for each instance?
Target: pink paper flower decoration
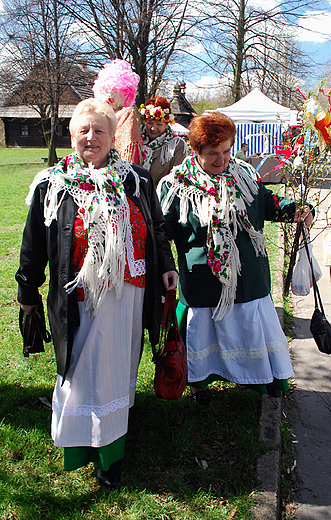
(117, 77)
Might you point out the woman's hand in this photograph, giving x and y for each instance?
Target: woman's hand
(170, 279)
(27, 308)
(306, 216)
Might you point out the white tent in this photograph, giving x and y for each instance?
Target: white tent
(260, 122)
(179, 129)
(258, 108)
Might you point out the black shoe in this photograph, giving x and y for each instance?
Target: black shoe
(110, 478)
(202, 398)
(273, 391)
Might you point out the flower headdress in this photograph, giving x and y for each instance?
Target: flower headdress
(116, 78)
(158, 113)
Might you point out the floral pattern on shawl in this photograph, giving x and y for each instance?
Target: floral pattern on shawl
(220, 203)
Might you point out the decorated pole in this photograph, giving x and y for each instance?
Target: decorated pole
(308, 152)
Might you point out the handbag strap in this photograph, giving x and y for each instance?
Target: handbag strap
(169, 311)
(317, 295)
(166, 306)
(171, 306)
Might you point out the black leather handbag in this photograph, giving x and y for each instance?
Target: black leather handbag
(319, 325)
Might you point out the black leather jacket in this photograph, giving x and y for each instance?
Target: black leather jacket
(52, 244)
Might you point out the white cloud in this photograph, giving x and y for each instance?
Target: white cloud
(80, 33)
(10, 58)
(205, 87)
(314, 27)
(261, 4)
(208, 82)
(191, 47)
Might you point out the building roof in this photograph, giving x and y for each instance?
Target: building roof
(179, 103)
(24, 112)
(81, 80)
(77, 82)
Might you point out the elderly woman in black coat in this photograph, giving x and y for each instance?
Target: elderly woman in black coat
(97, 221)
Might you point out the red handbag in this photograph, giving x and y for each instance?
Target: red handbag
(170, 360)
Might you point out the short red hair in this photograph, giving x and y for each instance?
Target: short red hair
(211, 130)
(159, 101)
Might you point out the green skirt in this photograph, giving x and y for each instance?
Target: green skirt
(103, 457)
(280, 384)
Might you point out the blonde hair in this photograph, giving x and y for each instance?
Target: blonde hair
(91, 106)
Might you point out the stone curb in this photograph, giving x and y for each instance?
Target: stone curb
(267, 505)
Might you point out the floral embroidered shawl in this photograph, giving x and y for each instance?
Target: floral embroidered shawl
(101, 199)
(220, 204)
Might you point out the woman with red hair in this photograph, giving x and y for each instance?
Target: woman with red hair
(162, 149)
(215, 212)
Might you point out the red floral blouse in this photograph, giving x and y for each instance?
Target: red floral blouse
(135, 248)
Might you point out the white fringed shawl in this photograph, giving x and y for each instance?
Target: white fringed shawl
(100, 197)
(168, 143)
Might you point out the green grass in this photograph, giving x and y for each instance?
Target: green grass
(271, 236)
(27, 155)
(287, 479)
(167, 442)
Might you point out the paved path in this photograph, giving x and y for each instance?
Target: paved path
(310, 412)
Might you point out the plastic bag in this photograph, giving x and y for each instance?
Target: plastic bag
(302, 279)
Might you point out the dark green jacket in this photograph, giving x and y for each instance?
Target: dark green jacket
(198, 287)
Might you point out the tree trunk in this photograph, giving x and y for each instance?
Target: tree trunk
(239, 52)
(52, 155)
(46, 131)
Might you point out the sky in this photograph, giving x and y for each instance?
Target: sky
(314, 36)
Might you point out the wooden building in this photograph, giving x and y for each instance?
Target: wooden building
(182, 110)
(21, 127)
(20, 124)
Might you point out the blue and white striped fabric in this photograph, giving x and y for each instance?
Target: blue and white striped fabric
(260, 137)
